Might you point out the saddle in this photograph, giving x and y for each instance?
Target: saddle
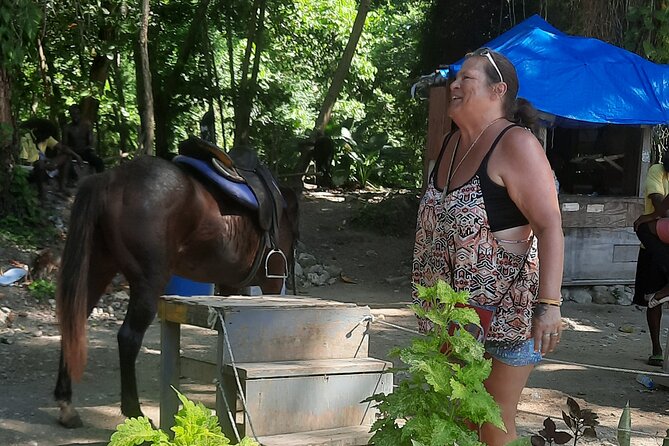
(241, 176)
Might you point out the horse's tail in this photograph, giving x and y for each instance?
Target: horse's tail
(72, 291)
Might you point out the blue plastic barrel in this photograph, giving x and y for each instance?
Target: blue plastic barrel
(185, 287)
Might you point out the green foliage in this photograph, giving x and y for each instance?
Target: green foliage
(42, 289)
(300, 49)
(625, 426)
(581, 423)
(194, 424)
(25, 224)
(648, 32)
(19, 23)
(443, 391)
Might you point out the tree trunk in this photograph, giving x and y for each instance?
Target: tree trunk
(6, 140)
(163, 94)
(343, 67)
(148, 123)
(98, 77)
(336, 85)
(121, 121)
(245, 94)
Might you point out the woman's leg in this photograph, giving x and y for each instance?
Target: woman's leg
(654, 319)
(505, 384)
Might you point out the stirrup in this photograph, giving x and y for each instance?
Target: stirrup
(275, 251)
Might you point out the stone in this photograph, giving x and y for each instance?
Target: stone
(306, 260)
(333, 270)
(299, 272)
(4, 316)
(623, 294)
(315, 269)
(580, 295)
(566, 293)
(602, 295)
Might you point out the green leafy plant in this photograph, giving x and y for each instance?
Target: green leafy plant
(194, 424)
(581, 423)
(443, 395)
(26, 222)
(42, 289)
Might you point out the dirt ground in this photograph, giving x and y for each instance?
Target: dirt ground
(375, 272)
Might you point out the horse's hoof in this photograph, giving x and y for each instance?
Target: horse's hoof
(69, 417)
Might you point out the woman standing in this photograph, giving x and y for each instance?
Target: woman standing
(489, 217)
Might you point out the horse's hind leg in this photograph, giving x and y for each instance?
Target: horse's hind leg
(100, 276)
(142, 309)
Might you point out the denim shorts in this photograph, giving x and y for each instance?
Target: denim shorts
(517, 355)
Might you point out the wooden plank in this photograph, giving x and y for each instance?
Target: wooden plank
(343, 436)
(198, 370)
(438, 123)
(599, 212)
(646, 158)
(256, 370)
(205, 371)
(590, 256)
(201, 310)
(298, 404)
(287, 334)
(226, 408)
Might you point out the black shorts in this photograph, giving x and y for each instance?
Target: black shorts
(649, 278)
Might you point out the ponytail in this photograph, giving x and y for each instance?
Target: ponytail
(523, 112)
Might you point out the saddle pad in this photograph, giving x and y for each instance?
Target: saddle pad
(240, 192)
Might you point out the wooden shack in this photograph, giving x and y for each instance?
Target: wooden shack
(601, 170)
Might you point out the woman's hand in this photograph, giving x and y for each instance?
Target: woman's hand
(546, 327)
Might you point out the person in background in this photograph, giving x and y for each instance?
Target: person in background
(323, 154)
(651, 283)
(489, 223)
(79, 136)
(48, 157)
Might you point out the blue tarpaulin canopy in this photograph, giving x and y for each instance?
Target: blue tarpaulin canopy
(582, 81)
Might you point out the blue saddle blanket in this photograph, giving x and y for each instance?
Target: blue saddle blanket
(240, 192)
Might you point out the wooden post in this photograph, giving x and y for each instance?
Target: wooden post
(438, 125)
(646, 159)
(170, 340)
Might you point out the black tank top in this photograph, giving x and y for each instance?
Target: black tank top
(502, 211)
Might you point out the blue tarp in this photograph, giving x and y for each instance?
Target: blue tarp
(582, 81)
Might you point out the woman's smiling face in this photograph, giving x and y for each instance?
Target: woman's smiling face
(471, 88)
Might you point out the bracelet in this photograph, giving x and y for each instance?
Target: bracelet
(553, 302)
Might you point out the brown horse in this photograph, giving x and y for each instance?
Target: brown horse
(150, 219)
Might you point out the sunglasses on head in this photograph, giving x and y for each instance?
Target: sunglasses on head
(485, 52)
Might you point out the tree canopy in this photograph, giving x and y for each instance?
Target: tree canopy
(265, 67)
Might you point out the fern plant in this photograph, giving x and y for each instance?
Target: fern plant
(42, 289)
(194, 425)
(443, 397)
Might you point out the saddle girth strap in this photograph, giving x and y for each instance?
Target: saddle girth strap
(257, 261)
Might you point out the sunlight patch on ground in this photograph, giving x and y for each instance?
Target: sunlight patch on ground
(392, 312)
(151, 351)
(544, 367)
(576, 325)
(328, 196)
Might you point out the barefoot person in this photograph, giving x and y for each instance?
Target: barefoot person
(79, 135)
(488, 216)
(651, 285)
